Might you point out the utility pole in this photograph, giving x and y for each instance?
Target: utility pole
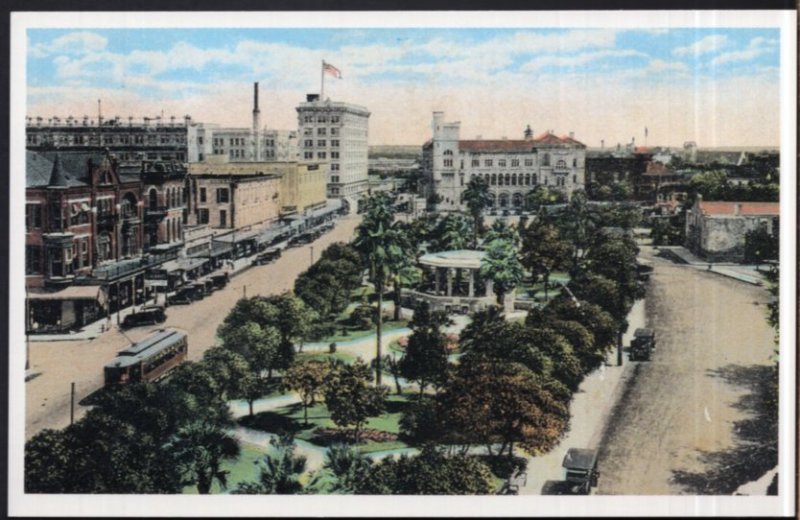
(312, 255)
(72, 403)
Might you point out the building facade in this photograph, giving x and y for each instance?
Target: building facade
(511, 168)
(130, 140)
(336, 133)
(715, 230)
(250, 194)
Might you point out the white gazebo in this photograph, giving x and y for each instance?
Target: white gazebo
(452, 283)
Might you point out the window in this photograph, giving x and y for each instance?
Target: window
(488, 162)
(334, 131)
(202, 195)
(334, 178)
(202, 216)
(574, 179)
(561, 164)
(335, 143)
(56, 216)
(308, 119)
(528, 162)
(448, 158)
(476, 162)
(308, 155)
(222, 195)
(322, 119)
(223, 218)
(33, 260)
(546, 159)
(514, 163)
(322, 131)
(501, 163)
(335, 167)
(33, 216)
(574, 162)
(308, 131)
(308, 143)
(334, 155)
(334, 119)
(321, 155)
(321, 142)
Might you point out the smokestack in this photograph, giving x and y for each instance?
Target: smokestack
(256, 125)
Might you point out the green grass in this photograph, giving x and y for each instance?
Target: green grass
(356, 334)
(243, 469)
(290, 418)
(324, 356)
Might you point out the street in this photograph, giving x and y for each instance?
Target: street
(677, 427)
(60, 363)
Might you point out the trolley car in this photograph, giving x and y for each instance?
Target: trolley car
(148, 360)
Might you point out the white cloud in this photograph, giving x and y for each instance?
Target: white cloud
(577, 59)
(758, 46)
(82, 42)
(708, 44)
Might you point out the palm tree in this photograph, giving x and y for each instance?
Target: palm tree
(476, 197)
(453, 232)
(379, 241)
(280, 471)
(501, 265)
(199, 449)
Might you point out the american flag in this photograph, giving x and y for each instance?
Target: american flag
(327, 68)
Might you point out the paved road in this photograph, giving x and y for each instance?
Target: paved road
(47, 396)
(678, 415)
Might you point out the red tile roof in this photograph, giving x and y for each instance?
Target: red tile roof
(745, 208)
(515, 145)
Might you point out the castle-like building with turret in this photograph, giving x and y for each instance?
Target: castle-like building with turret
(511, 167)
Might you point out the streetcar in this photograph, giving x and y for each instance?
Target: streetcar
(148, 360)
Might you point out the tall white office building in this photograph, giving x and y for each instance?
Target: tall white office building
(337, 133)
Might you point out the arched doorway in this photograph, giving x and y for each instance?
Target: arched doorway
(492, 200)
(504, 200)
(516, 200)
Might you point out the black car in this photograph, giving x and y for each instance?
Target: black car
(268, 256)
(149, 315)
(185, 296)
(220, 280)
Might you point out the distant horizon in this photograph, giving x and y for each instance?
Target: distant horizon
(715, 86)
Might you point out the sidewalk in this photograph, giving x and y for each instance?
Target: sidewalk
(590, 408)
(97, 328)
(743, 273)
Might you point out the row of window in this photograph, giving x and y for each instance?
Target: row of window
(89, 140)
(502, 163)
(514, 179)
(309, 143)
(321, 119)
(320, 131)
(223, 196)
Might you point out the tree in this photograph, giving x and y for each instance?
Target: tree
(543, 251)
(280, 471)
(349, 468)
(425, 358)
(502, 267)
(307, 378)
(500, 230)
(477, 198)
(379, 241)
(258, 345)
(577, 224)
(760, 245)
(429, 473)
(453, 232)
(505, 402)
(228, 369)
(350, 399)
(392, 364)
(199, 449)
(543, 195)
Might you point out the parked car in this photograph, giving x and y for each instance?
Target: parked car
(148, 315)
(580, 466)
(220, 280)
(268, 256)
(187, 295)
(642, 345)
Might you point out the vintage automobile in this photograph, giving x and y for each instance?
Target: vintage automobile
(268, 256)
(642, 345)
(580, 467)
(220, 280)
(187, 294)
(148, 315)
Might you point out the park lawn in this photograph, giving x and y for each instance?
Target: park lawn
(291, 418)
(243, 469)
(346, 357)
(356, 334)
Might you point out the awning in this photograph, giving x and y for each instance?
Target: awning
(269, 235)
(73, 292)
(219, 248)
(331, 206)
(187, 264)
(237, 237)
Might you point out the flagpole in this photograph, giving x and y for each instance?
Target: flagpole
(322, 82)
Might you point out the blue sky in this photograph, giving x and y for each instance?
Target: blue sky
(639, 76)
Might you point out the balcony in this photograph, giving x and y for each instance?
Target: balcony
(156, 213)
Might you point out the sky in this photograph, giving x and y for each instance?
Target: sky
(715, 86)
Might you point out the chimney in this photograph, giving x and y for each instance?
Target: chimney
(256, 125)
(528, 133)
(737, 209)
(602, 143)
(571, 134)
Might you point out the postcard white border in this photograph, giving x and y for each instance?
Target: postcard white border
(172, 505)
